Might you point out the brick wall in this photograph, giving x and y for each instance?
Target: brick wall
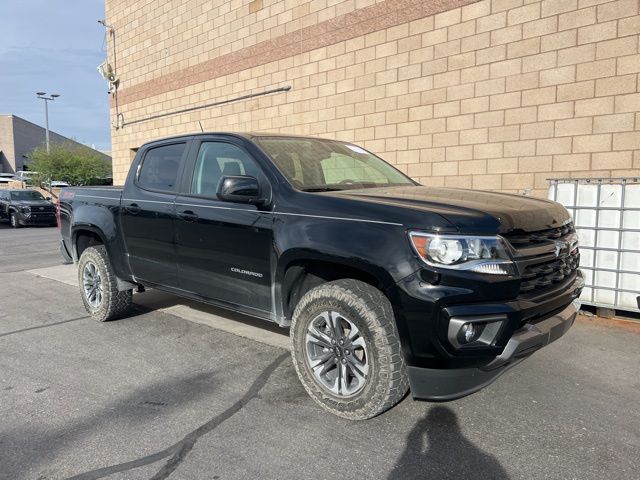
(496, 94)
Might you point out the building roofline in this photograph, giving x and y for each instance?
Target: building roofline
(56, 133)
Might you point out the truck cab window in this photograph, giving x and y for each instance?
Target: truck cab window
(217, 160)
(159, 170)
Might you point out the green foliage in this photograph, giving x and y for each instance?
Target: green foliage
(69, 163)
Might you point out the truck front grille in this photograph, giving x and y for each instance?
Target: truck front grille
(48, 209)
(536, 238)
(545, 269)
(539, 277)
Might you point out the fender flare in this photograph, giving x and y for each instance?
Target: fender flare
(282, 282)
(85, 227)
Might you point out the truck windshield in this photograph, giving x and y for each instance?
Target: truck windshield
(26, 195)
(315, 165)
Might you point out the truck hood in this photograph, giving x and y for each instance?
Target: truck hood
(32, 203)
(467, 208)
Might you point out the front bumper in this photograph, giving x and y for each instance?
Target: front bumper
(449, 384)
(37, 219)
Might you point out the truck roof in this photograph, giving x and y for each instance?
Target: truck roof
(246, 135)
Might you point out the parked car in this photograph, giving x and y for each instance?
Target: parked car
(383, 283)
(6, 178)
(25, 176)
(55, 184)
(24, 207)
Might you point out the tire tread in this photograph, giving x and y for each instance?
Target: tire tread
(375, 309)
(115, 304)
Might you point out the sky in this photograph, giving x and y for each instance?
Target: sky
(55, 47)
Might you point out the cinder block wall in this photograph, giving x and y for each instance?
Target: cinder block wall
(495, 94)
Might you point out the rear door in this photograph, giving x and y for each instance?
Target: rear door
(223, 248)
(148, 212)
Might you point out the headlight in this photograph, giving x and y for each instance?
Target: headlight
(461, 252)
(26, 209)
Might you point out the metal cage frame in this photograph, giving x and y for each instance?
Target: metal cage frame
(591, 286)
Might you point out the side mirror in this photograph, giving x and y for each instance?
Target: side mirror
(239, 189)
(48, 199)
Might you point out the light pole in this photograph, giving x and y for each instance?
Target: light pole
(43, 96)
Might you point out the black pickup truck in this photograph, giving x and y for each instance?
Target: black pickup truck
(23, 207)
(384, 284)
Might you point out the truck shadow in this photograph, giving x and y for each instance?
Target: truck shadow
(28, 448)
(152, 300)
(436, 448)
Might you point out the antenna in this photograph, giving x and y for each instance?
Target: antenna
(201, 129)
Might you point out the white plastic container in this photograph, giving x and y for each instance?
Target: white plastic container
(607, 218)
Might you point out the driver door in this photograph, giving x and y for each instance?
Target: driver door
(223, 248)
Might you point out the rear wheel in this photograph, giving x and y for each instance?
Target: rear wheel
(346, 349)
(13, 218)
(99, 288)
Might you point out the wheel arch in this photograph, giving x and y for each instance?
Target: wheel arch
(84, 236)
(300, 273)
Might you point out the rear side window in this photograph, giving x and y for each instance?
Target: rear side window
(159, 169)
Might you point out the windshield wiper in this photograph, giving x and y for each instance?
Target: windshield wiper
(321, 189)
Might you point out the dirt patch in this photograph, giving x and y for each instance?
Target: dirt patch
(628, 325)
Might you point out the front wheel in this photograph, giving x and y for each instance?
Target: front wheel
(99, 288)
(346, 349)
(15, 223)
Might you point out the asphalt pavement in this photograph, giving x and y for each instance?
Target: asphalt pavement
(157, 396)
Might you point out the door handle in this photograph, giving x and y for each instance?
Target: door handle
(188, 216)
(132, 208)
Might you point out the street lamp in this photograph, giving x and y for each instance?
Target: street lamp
(43, 96)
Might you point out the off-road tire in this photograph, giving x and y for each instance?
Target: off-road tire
(114, 304)
(13, 220)
(371, 312)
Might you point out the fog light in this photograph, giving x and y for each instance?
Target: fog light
(476, 331)
(470, 332)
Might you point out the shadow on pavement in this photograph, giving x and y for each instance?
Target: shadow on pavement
(5, 225)
(436, 449)
(27, 449)
(156, 300)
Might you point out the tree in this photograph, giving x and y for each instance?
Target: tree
(67, 162)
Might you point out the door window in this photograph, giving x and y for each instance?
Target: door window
(159, 169)
(217, 160)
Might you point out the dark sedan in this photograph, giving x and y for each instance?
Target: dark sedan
(26, 207)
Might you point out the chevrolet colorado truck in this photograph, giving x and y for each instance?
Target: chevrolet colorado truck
(384, 284)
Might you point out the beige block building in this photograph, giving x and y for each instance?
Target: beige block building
(490, 94)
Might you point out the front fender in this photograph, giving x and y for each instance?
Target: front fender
(381, 251)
